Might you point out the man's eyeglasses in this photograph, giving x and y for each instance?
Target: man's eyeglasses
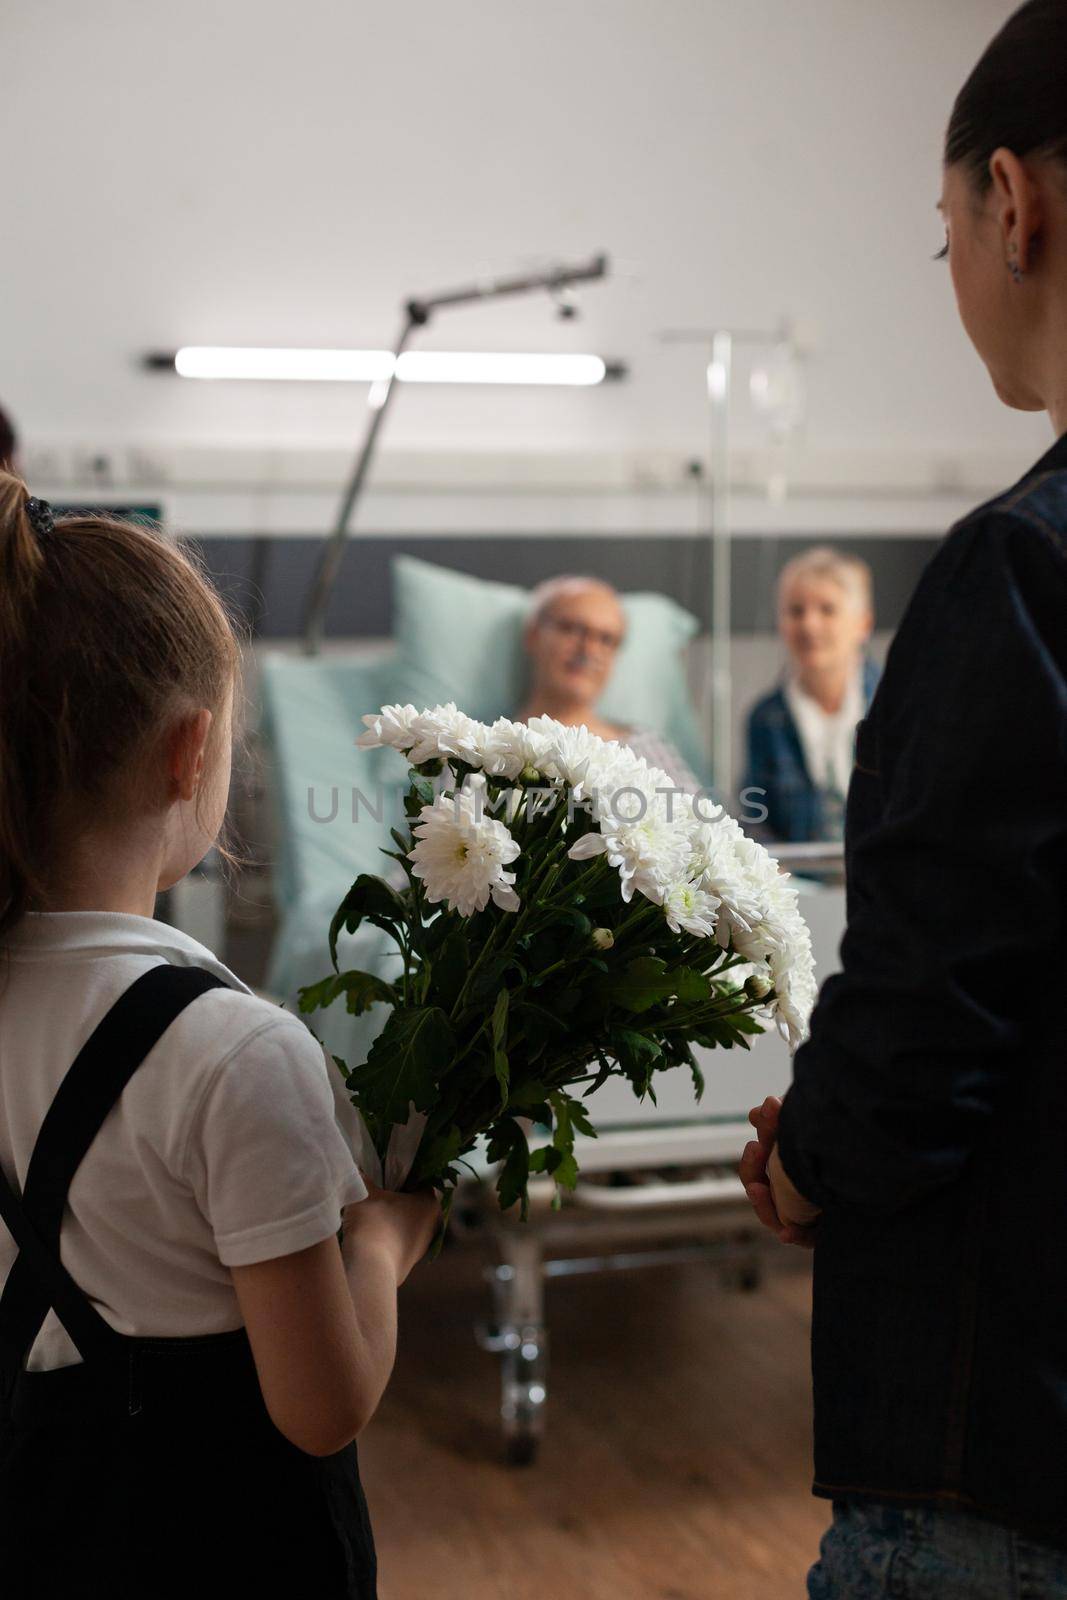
(571, 628)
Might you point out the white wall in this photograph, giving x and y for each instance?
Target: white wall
(251, 171)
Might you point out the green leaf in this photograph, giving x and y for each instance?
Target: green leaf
(500, 1138)
(566, 917)
(487, 982)
(529, 1096)
(315, 995)
(566, 1173)
(648, 981)
(420, 787)
(361, 990)
(406, 1059)
(536, 1022)
(725, 1032)
(395, 855)
(499, 1030)
(601, 1078)
(679, 1054)
(439, 929)
(500, 1067)
(369, 899)
(642, 984)
(638, 1057)
(571, 1118)
(567, 1000)
(690, 985)
(450, 966)
(507, 1143)
(366, 991)
(435, 1158)
(500, 1018)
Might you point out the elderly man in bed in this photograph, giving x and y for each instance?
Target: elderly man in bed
(573, 633)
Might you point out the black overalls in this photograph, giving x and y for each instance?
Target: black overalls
(152, 1469)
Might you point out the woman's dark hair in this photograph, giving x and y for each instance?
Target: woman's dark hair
(1017, 94)
(109, 632)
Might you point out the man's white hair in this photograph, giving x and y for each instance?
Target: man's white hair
(544, 597)
(823, 561)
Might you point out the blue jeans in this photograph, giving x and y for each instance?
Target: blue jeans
(881, 1552)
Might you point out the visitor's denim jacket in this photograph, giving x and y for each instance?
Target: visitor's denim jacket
(777, 775)
(928, 1112)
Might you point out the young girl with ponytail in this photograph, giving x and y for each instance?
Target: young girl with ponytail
(186, 1351)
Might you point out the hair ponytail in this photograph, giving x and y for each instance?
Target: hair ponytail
(1016, 96)
(108, 631)
(21, 558)
(22, 563)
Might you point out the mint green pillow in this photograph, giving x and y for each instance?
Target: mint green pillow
(460, 638)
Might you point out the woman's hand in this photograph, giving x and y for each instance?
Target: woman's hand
(776, 1202)
(403, 1225)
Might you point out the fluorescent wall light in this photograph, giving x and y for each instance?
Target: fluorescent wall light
(324, 366)
(445, 366)
(372, 366)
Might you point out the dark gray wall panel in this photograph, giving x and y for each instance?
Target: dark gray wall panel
(267, 579)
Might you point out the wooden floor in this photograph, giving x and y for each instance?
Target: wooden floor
(676, 1463)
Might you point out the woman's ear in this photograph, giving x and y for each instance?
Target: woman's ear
(1016, 198)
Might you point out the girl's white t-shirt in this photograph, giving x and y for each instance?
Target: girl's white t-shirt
(223, 1149)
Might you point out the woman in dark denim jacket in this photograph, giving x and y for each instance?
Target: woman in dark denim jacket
(922, 1147)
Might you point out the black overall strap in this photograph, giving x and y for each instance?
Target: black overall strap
(92, 1336)
(103, 1067)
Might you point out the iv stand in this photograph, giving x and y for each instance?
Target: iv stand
(417, 314)
(720, 344)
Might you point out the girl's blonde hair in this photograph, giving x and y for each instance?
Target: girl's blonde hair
(108, 633)
(823, 561)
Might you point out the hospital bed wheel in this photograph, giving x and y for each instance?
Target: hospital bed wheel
(744, 1279)
(521, 1449)
(522, 1397)
(516, 1333)
(741, 1280)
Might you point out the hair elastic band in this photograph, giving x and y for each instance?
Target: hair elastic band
(41, 516)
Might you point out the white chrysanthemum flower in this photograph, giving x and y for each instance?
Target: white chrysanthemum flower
(718, 867)
(760, 915)
(444, 731)
(792, 965)
(782, 941)
(461, 852)
(618, 785)
(797, 989)
(566, 751)
(510, 749)
(689, 907)
(391, 726)
(648, 851)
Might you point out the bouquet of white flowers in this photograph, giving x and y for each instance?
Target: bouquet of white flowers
(568, 914)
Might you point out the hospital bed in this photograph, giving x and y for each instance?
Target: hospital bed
(659, 1183)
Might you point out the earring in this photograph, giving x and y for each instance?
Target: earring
(1014, 268)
